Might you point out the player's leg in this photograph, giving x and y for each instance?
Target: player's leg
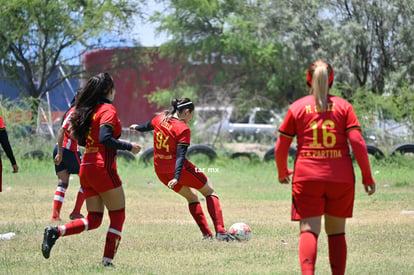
(72, 161)
(93, 220)
(339, 206)
(308, 243)
(196, 210)
(335, 229)
(114, 200)
(214, 207)
(62, 186)
(308, 204)
(94, 204)
(76, 212)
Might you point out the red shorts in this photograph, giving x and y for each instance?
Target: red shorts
(189, 177)
(313, 199)
(95, 180)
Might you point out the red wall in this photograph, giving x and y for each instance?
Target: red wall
(132, 84)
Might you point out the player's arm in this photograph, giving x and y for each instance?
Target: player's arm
(179, 163)
(281, 156)
(4, 140)
(60, 136)
(107, 139)
(361, 155)
(142, 127)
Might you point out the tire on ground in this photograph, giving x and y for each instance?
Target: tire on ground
(403, 149)
(251, 156)
(375, 151)
(125, 155)
(270, 154)
(35, 154)
(202, 149)
(147, 156)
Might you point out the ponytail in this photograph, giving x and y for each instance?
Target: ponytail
(178, 106)
(320, 88)
(319, 80)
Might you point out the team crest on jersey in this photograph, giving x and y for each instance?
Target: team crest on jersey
(166, 125)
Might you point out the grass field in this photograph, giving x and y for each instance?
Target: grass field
(160, 236)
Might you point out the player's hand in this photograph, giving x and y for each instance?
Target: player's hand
(15, 168)
(132, 127)
(285, 180)
(370, 189)
(172, 183)
(58, 159)
(135, 148)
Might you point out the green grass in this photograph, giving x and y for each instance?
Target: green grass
(160, 237)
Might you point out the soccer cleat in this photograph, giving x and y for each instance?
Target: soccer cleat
(225, 237)
(108, 264)
(207, 237)
(75, 216)
(49, 238)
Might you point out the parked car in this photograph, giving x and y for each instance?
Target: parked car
(258, 125)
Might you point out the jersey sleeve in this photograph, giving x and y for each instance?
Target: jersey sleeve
(184, 137)
(352, 120)
(66, 122)
(109, 117)
(2, 123)
(288, 127)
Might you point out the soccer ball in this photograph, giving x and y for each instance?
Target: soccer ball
(241, 231)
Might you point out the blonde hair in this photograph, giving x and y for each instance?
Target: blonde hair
(320, 83)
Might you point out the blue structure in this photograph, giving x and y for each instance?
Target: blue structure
(59, 97)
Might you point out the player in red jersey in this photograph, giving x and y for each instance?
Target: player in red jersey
(323, 178)
(96, 126)
(4, 140)
(67, 160)
(171, 140)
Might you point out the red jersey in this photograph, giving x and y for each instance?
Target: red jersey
(167, 135)
(322, 146)
(2, 123)
(68, 142)
(95, 152)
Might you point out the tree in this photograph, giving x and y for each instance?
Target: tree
(272, 42)
(37, 36)
(377, 38)
(231, 41)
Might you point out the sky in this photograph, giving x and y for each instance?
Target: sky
(145, 33)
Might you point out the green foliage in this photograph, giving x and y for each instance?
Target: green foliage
(16, 117)
(34, 34)
(163, 97)
(267, 45)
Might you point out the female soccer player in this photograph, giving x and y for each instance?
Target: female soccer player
(96, 126)
(171, 140)
(66, 156)
(4, 140)
(323, 179)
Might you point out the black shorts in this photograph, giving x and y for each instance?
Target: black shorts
(70, 161)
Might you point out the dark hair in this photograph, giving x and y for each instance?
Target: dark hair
(178, 106)
(95, 92)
